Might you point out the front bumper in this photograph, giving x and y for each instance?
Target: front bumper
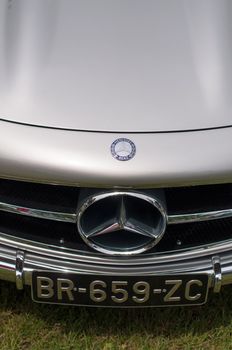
(18, 258)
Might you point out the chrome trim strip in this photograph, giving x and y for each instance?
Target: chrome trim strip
(72, 217)
(38, 213)
(197, 217)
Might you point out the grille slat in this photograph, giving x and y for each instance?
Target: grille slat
(39, 213)
(72, 217)
(199, 216)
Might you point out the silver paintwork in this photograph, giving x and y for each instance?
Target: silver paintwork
(135, 66)
(83, 159)
(122, 66)
(120, 222)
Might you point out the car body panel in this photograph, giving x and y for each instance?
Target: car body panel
(116, 99)
(84, 158)
(121, 66)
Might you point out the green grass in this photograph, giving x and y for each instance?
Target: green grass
(26, 325)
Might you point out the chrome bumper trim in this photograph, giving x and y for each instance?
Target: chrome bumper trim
(16, 265)
(104, 260)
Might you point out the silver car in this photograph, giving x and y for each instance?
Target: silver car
(116, 150)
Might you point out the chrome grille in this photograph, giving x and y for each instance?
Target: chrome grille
(197, 215)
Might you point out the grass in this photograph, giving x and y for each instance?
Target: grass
(26, 325)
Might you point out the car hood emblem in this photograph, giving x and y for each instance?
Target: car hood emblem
(123, 149)
(121, 223)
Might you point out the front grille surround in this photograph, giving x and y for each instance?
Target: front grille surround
(22, 206)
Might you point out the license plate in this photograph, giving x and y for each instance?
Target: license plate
(119, 291)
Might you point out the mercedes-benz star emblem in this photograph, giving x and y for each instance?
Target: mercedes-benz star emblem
(121, 223)
(123, 149)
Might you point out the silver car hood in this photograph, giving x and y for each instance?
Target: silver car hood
(122, 66)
